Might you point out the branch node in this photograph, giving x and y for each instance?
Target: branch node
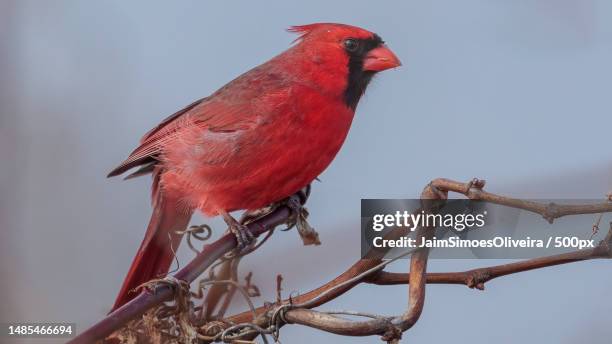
(393, 334)
(278, 319)
(551, 212)
(604, 247)
(475, 183)
(179, 287)
(476, 279)
(440, 194)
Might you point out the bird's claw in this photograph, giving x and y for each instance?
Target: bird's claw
(298, 217)
(244, 237)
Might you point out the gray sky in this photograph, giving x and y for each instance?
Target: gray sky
(515, 92)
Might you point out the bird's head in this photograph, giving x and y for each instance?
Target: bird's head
(349, 51)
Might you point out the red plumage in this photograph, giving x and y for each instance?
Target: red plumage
(257, 140)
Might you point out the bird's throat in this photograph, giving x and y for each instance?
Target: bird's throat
(357, 82)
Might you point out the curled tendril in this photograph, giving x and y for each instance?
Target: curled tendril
(201, 232)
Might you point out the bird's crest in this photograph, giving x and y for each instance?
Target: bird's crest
(339, 29)
(302, 30)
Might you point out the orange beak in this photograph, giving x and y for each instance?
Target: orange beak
(379, 59)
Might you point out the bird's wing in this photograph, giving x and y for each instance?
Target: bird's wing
(210, 114)
(236, 106)
(145, 154)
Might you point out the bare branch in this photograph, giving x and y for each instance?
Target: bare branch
(551, 211)
(476, 278)
(268, 319)
(437, 189)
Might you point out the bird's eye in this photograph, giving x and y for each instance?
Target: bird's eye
(351, 45)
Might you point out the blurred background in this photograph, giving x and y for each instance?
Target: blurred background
(514, 92)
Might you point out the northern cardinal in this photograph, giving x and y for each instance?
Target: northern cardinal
(255, 141)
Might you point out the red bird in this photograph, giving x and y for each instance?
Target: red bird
(257, 140)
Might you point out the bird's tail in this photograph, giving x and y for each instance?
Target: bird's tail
(156, 251)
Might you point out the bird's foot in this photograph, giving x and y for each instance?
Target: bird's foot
(244, 237)
(300, 215)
